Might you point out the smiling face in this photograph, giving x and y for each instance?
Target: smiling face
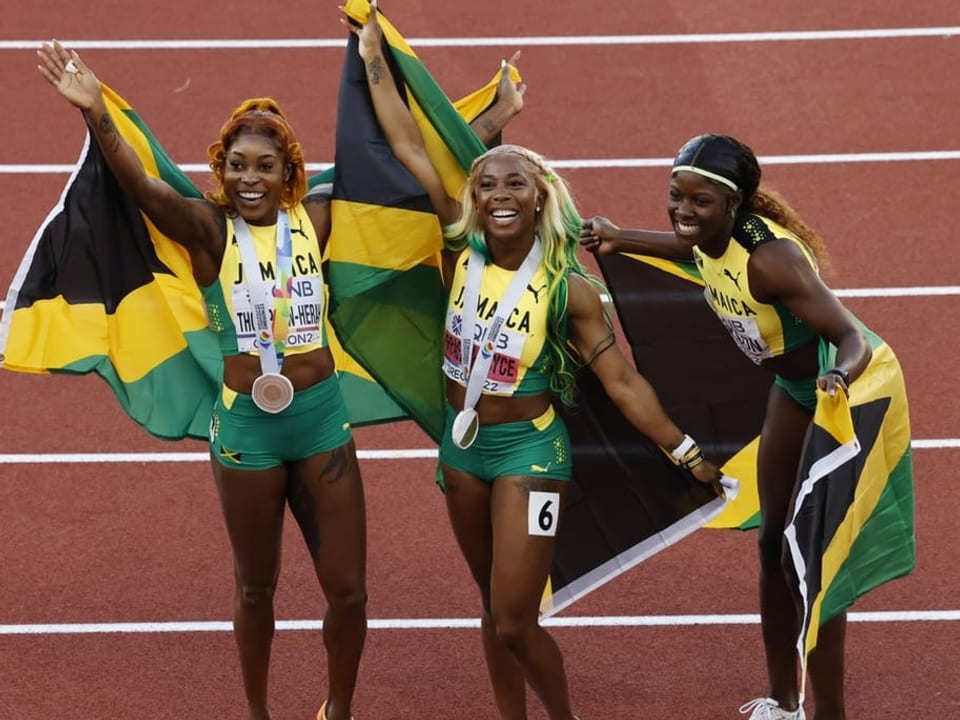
(506, 196)
(700, 211)
(254, 176)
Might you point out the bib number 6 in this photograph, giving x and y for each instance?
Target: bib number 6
(542, 510)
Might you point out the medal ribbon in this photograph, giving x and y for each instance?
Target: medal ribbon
(282, 288)
(266, 296)
(477, 371)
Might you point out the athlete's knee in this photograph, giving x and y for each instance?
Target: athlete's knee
(350, 597)
(772, 550)
(253, 595)
(514, 630)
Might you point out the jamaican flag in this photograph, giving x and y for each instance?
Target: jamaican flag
(389, 305)
(101, 290)
(628, 500)
(384, 273)
(852, 527)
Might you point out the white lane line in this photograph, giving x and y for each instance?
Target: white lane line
(587, 163)
(944, 32)
(889, 616)
(398, 454)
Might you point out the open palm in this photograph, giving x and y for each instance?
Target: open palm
(68, 74)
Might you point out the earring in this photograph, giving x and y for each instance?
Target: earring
(538, 208)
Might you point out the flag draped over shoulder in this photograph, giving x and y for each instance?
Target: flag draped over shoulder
(852, 527)
(101, 290)
(387, 297)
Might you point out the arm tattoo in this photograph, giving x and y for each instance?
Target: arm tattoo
(109, 131)
(375, 71)
(488, 125)
(605, 344)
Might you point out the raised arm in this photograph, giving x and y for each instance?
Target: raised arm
(633, 395)
(395, 119)
(602, 237)
(190, 222)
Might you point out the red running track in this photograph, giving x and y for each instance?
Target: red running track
(139, 542)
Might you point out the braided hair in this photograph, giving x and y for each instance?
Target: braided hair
(558, 226)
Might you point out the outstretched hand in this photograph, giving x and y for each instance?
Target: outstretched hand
(597, 236)
(68, 74)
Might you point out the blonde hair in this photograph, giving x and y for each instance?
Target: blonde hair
(558, 225)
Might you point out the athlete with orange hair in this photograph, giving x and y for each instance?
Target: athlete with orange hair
(279, 434)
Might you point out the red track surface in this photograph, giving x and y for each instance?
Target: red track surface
(127, 542)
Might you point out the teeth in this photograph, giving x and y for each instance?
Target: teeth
(684, 228)
(251, 195)
(503, 213)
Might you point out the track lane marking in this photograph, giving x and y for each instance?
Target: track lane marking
(889, 616)
(395, 454)
(944, 32)
(584, 163)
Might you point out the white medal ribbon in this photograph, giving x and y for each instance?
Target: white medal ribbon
(467, 423)
(271, 392)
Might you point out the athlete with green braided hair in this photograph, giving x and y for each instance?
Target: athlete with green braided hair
(557, 222)
(523, 318)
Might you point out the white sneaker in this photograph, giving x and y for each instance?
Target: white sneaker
(769, 709)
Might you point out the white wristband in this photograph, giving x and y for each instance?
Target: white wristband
(683, 448)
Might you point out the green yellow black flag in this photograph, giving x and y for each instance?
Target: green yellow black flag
(101, 290)
(628, 500)
(386, 291)
(853, 522)
(389, 305)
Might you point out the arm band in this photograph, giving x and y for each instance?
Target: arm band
(685, 446)
(687, 454)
